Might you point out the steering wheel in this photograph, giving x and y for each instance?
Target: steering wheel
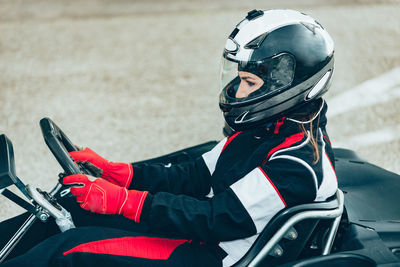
(59, 144)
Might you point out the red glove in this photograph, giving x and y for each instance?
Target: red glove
(101, 196)
(116, 173)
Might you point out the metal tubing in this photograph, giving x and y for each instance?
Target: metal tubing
(21, 186)
(6, 250)
(17, 237)
(331, 236)
(312, 214)
(54, 191)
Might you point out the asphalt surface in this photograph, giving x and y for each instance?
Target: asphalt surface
(138, 79)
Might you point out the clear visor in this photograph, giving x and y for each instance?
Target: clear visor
(242, 81)
(229, 71)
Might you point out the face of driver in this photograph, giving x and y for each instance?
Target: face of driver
(249, 83)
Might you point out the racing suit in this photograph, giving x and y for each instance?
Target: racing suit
(210, 211)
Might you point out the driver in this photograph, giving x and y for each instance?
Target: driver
(276, 66)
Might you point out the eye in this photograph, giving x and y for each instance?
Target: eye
(247, 81)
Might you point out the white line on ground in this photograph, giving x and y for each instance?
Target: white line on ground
(371, 138)
(382, 89)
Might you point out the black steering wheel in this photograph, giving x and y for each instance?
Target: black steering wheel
(59, 144)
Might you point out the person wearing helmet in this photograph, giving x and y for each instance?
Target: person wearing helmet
(276, 65)
(273, 62)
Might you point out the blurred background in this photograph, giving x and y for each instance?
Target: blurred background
(137, 79)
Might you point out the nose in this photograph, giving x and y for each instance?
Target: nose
(242, 90)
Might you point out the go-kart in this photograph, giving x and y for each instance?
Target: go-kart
(359, 226)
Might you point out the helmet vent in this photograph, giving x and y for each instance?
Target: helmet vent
(233, 34)
(321, 84)
(254, 14)
(243, 118)
(256, 42)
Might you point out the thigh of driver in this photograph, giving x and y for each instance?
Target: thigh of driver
(94, 246)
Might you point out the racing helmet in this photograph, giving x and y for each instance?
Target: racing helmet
(289, 53)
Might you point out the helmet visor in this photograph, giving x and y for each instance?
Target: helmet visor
(242, 81)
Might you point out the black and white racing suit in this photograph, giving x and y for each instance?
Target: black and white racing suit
(228, 195)
(221, 200)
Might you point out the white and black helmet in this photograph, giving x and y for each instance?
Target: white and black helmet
(290, 51)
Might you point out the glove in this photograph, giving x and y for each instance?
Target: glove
(100, 196)
(116, 173)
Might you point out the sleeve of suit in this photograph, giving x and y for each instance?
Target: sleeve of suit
(192, 178)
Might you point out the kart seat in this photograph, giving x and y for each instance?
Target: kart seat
(286, 235)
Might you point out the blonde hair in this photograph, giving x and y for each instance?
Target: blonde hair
(307, 116)
(313, 140)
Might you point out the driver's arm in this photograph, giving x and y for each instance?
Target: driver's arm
(192, 178)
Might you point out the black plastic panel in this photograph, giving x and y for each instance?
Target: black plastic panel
(7, 164)
(371, 193)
